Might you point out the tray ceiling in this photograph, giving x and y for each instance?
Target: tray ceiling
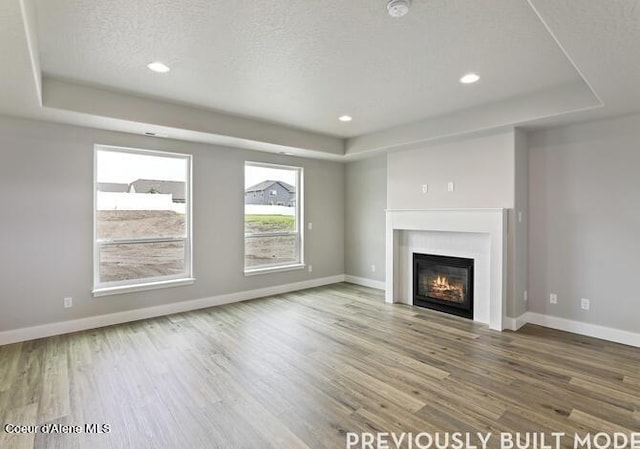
(275, 75)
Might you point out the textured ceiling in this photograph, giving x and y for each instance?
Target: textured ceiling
(295, 66)
(303, 63)
(603, 39)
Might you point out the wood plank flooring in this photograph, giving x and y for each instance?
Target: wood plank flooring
(301, 370)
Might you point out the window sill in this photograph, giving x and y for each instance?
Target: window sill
(106, 291)
(267, 270)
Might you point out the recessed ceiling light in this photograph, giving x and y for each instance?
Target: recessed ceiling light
(469, 78)
(158, 67)
(345, 118)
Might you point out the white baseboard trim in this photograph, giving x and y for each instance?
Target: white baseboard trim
(65, 327)
(513, 324)
(587, 329)
(380, 285)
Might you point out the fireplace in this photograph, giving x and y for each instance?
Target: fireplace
(443, 283)
(479, 234)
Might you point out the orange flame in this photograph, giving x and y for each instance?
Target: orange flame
(441, 285)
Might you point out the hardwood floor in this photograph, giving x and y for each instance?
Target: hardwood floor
(302, 369)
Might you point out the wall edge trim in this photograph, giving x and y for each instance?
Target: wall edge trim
(513, 324)
(582, 328)
(97, 321)
(379, 285)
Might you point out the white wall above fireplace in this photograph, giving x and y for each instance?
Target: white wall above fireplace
(479, 234)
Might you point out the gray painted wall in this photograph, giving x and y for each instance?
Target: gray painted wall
(583, 192)
(365, 204)
(46, 229)
(584, 198)
(482, 169)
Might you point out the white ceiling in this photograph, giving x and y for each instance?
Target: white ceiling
(276, 74)
(304, 63)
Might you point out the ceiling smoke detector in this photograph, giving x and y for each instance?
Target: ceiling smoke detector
(398, 8)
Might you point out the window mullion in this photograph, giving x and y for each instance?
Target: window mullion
(106, 242)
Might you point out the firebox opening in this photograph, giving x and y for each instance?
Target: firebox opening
(443, 283)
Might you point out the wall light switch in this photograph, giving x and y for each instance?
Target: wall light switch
(526, 296)
(425, 188)
(451, 186)
(519, 217)
(553, 298)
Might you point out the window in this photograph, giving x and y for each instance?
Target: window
(272, 233)
(142, 224)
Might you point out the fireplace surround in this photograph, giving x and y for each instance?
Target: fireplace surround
(478, 234)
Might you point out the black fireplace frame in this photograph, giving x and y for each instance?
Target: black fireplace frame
(463, 310)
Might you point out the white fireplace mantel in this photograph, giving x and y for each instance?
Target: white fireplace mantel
(447, 225)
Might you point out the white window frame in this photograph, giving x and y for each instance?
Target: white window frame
(150, 283)
(299, 231)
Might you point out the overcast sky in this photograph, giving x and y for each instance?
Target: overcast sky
(125, 168)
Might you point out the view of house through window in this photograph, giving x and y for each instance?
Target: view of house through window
(142, 217)
(272, 204)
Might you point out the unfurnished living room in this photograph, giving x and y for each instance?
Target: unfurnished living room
(360, 224)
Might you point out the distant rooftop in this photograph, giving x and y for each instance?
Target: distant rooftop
(113, 187)
(264, 185)
(175, 188)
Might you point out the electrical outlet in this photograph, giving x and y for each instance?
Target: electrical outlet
(519, 217)
(373, 268)
(451, 186)
(425, 188)
(526, 296)
(68, 302)
(310, 226)
(585, 304)
(310, 268)
(553, 298)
